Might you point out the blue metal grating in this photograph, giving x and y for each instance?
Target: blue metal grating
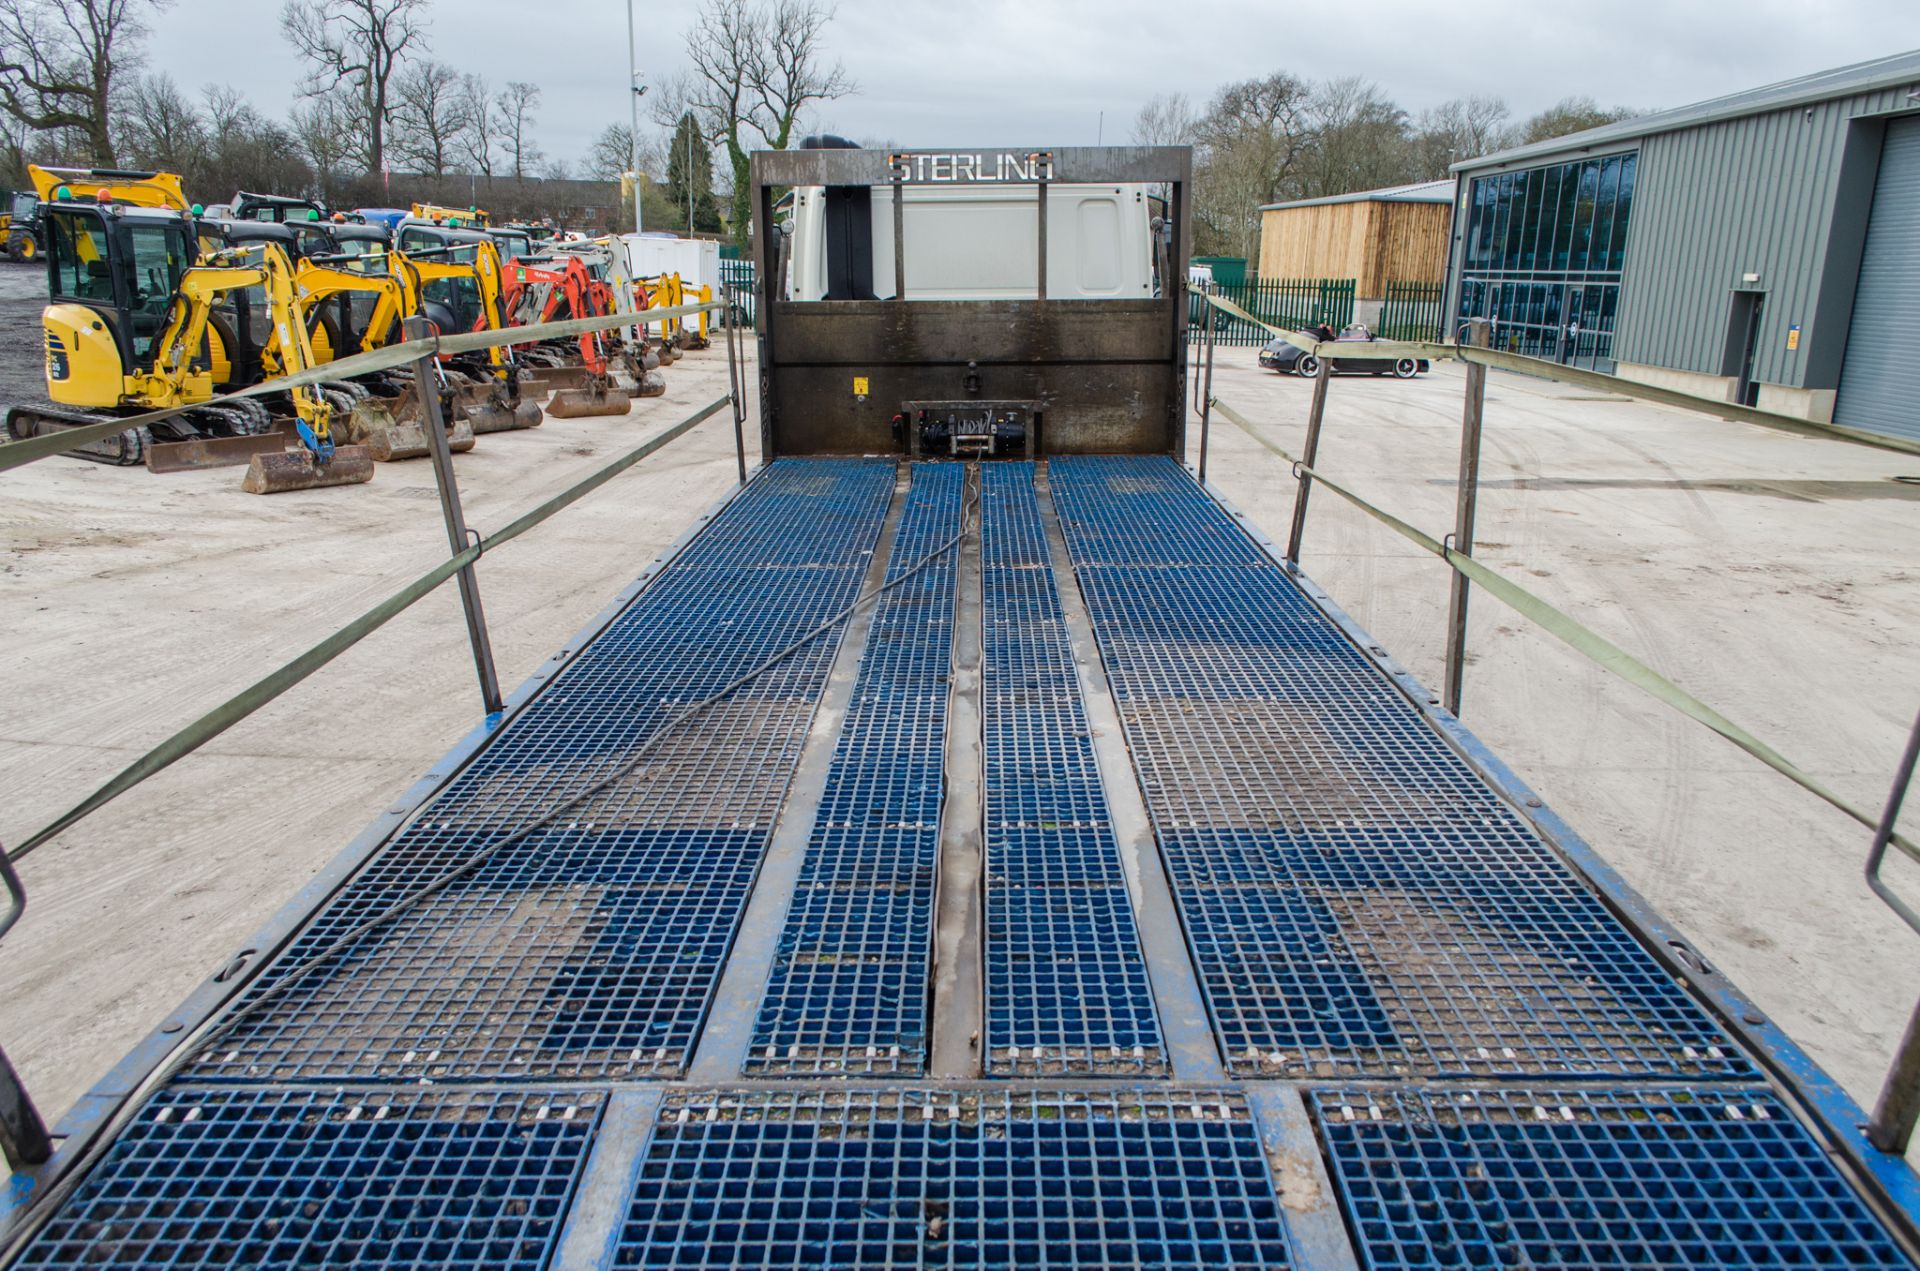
(923, 1178)
(848, 992)
(1707, 1177)
(232, 1178)
(1066, 984)
(592, 948)
(1357, 900)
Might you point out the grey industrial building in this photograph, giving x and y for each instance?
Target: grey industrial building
(1762, 247)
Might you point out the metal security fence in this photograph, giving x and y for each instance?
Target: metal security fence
(1290, 303)
(737, 279)
(1411, 312)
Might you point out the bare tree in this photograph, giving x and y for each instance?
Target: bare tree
(361, 42)
(1252, 144)
(58, 60)
(324, 128)
(1463, 128)
(430, 114)
(1166, 120)
(757, 66)
(1575, 114)
(159, 126)
(611, 155)
(1359, 140)
(476, 142)
(514, 110)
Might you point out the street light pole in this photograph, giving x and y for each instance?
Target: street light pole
(634, 90)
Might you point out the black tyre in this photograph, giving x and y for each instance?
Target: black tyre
(1306, 366)
(1405, 369)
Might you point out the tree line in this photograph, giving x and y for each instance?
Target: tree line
(380, 120)
(1281, 137)
(377, 120)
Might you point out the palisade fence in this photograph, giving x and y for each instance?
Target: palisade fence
(737, 279)
(1411, 312)
(1290, 303)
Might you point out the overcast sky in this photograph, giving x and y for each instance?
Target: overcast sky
(1040, 72)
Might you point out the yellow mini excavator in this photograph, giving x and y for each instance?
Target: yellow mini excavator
(130, 330)
(480, 392)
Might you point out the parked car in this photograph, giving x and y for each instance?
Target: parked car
(1290, 359)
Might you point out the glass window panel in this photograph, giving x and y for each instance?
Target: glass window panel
(1603, 211)
(1564, 213)
(1623, 214)
(1583, 216)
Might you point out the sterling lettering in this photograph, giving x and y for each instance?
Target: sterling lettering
(970, 169)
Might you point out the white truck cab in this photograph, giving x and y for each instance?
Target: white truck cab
(972, 242)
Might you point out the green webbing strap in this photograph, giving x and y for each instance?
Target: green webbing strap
(1540, 368)
(1368, 350)
(20, 453)
(1595, 647)
(247, 701)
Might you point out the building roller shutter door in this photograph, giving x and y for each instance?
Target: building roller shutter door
(1880, 382)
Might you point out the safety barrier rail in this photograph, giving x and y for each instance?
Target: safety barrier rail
(1898, 1110)
(23, 1135)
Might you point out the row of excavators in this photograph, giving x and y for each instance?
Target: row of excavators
(156, 303)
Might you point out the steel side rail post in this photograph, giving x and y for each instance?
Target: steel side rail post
(1206, 391)
(426, 382)
(1471, 416)
(1898, 1108)
(1310, 457)
(737, 385)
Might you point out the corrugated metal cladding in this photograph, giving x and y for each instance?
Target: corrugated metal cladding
(1877, 384)
(1749, 195)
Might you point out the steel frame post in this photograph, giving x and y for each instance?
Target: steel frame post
(1310, 454)
(23, 1135)
(426, 382)
(1898, 1108)
(1466, 504)
(736, 381)
(1206, 390)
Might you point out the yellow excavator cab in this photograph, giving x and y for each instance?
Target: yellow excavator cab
(141, 189)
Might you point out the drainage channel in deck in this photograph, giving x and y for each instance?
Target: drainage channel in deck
(590, 948)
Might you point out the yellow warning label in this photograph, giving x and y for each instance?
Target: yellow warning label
(859, 386)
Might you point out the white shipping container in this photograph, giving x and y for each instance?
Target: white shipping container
(696, 260)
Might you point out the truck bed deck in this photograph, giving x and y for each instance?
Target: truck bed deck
(1098, 895)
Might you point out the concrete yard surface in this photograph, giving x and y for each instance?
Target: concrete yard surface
(1771, 574)
(1775, 576)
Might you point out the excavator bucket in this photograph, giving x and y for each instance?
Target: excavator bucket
(214, 452)
(494, 413)
(297, 469)
(598, 397)
(398, 430)
(650, 384)
(554, 379)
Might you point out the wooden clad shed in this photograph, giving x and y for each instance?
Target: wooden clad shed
(1398, 234)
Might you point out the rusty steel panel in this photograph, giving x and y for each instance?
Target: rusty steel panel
(1098, 409)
